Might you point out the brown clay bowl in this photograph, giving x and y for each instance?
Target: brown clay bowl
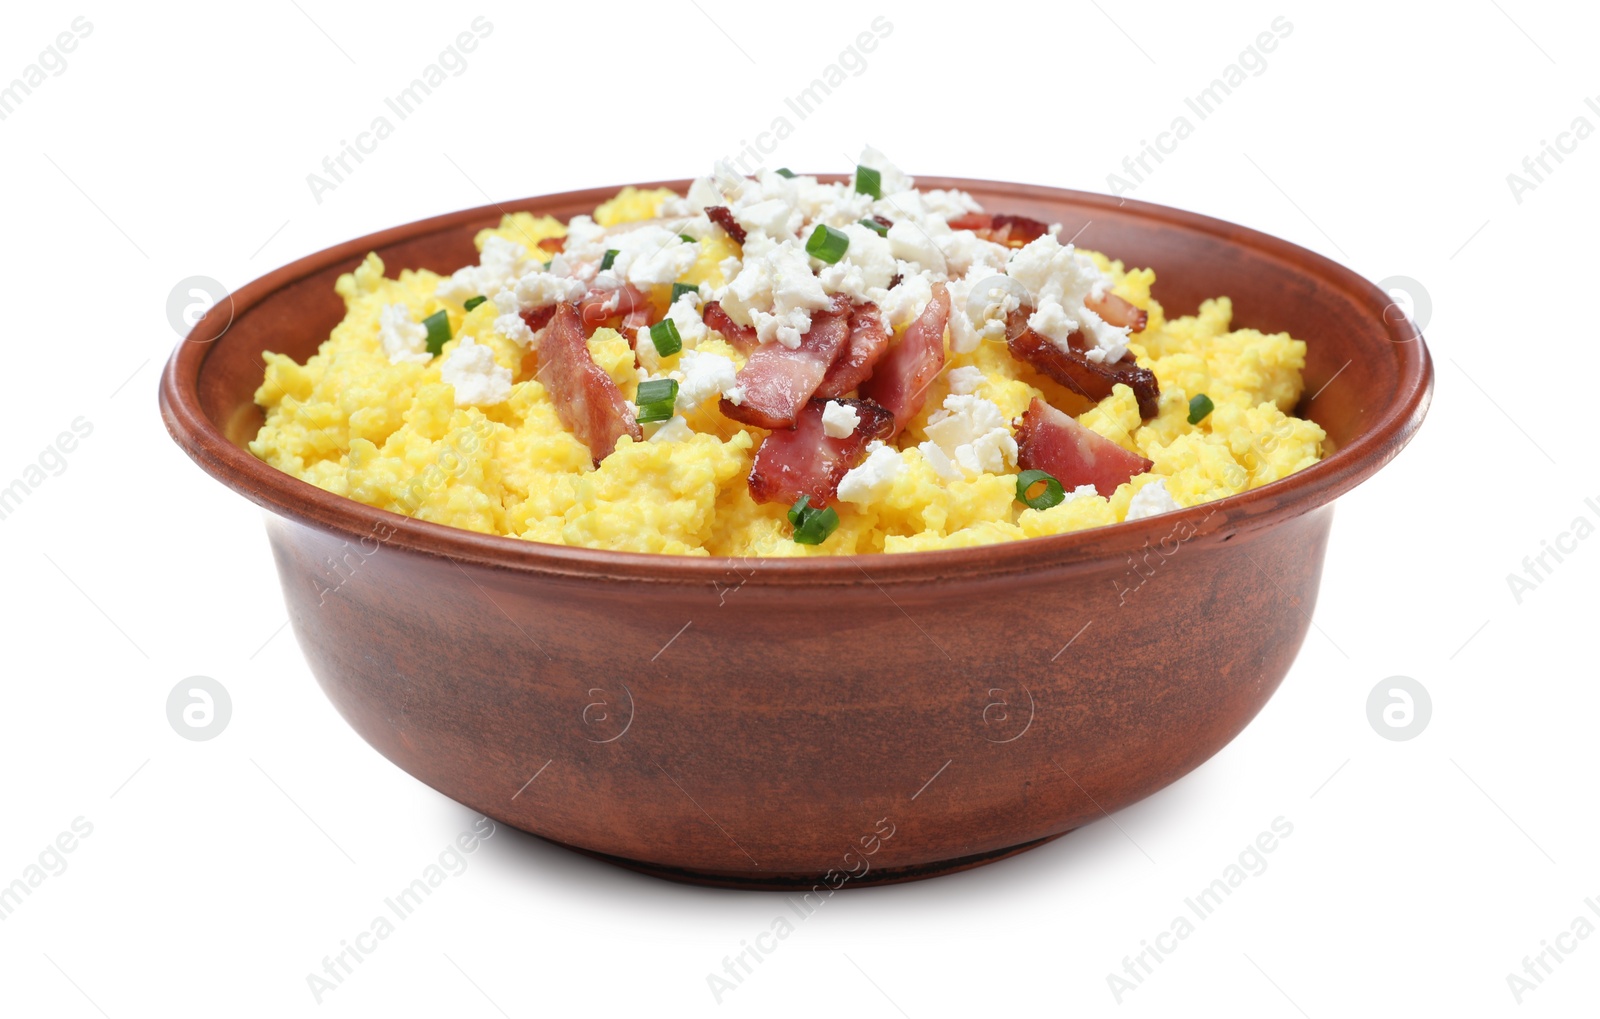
(824, 722)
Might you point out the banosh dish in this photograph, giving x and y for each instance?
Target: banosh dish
(749, 721)
(784, 366)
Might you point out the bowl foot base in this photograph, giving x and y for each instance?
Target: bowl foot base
(791, 882)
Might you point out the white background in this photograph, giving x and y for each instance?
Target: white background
(219, 874)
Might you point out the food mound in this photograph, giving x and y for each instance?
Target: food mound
(777, 366)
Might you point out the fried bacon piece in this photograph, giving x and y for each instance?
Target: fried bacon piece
(1119, 312)
(1012, 231)
(869, 340)
(588, 403)
(723, 217)
(900, 381)
(624, 307)
(1051, 441)
(777, 380)
(1073, 369)
(742, 337)
(538, 318)
(804, 460)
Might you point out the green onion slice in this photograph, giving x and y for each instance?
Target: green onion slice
(664, 335)
(827, 244)
(784, 171)
(438, 332)
(679, 289)
(876, 227)
(656, 399)
(473, 302)
(811, 525)
(869, 181)
(1052, 495)
(605, 263)
(801, 507)
(1199, 407)
(685, 238)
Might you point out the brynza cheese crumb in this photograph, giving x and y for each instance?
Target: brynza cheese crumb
(701, 376)
(874, 477)
(1151, 500)
(972, 434)
(839, 420)
(1060, 280)
(478, 381)
(403, 337)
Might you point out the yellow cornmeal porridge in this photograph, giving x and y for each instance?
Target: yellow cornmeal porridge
(469, 438)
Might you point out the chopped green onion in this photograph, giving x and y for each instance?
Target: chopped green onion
(605, 263)
(784, 171)
(473, 302)
(827, 244)
(801, 507)
(679, 289)
(869, 181)
(685, 238)
(876, 227)
(1052, 495)
(1199, 407)
(664, 335)
(438, 332)
(656, 398)
(811, 525)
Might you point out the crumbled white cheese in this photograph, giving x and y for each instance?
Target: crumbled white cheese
(979, 304)
(674, 429)
(913, 243)
(693, 223)
(477, 379)
(691, 330)
(904, 303)
(702, 375)
(650, 255)
(964, 249)
(942, 465)
(974, 434)
(890, 178)
(774, 217)
(685, 315)
(839, 420)
(834, 204)
(499, 264)
(949, 204)
(1060, 280)
(776, 291)
(965, 380)
(846, 278)
(586, 240)
(874, 477)
(868, 263)
(540, 289)
(1150, 500)
(703, 194)
(509, 322)
(403, 337)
